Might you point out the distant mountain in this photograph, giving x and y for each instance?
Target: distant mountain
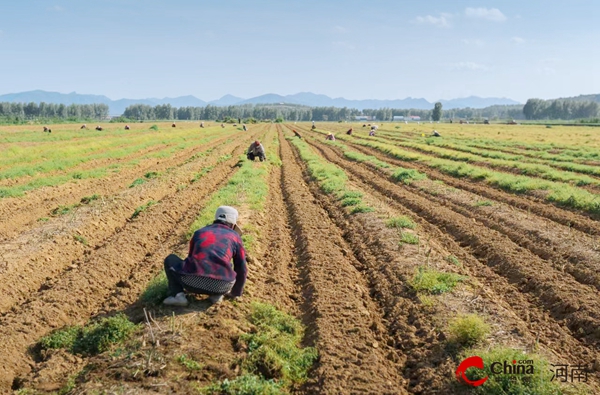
(477, 102)
(314, 100)
(117, 107)
(227, 100)
(39, 96)
(269, 98)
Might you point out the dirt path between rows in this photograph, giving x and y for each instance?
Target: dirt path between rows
(344, 322)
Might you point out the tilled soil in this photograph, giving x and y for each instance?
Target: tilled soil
(17, 215)
(531, 267)
(41, 253)
(345, 322)
(81, 290)
(527, 203)
(568, 250)
(560, 298)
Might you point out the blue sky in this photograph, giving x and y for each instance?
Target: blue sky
(372, 49)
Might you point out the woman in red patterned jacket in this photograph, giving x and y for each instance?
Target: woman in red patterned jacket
(207, 269)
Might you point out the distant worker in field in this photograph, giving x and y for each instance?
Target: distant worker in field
(244, 127)
(173, 125)
(330, 137)
(256, 150)
(372, 132)
(98, 127)
(222, 125)
(127, 127)
(436, 134)
(239, 120)
(207, 270)
(297, 134)
(349, 132)
(201, 124)
(84, 126)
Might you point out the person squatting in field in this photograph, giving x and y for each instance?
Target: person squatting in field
(297, 134)
(330, 136)
(207, 270)
(349, 132)
(255, 150)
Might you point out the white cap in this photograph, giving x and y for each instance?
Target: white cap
(227, 214)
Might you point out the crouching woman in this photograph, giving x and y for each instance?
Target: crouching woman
(207, 269)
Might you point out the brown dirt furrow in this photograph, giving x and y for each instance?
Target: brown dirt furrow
(427, 365)
(36, 257)
(345, 323)
(81, 292)
(536, 317)
(567, 250)
(565, 299)
(276, 253)
(527, 203)
(19, 214)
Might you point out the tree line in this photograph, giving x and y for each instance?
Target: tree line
(291, 112)
(533, 109)
(20, 112)
(560, 109)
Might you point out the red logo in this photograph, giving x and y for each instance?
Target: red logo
(471, 362)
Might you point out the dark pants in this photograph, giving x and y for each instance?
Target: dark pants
(194, 284)
(251, 156)
(173, 265)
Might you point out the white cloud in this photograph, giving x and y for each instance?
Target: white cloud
(492, 14)
(471, 66)
(442, 21)
(518, 40)
(343, 45)
(472, 42)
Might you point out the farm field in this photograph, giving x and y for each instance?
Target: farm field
(391, 257)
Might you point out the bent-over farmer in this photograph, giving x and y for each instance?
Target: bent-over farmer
(207, 269)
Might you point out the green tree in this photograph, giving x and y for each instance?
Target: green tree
(436, 115)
